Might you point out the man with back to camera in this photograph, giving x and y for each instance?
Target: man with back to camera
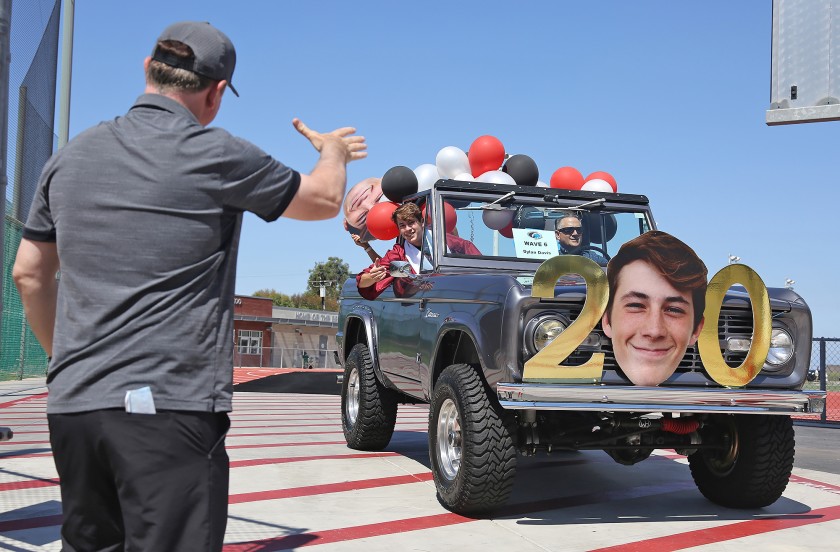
(144, 213)
(655, 311)
(570, 240)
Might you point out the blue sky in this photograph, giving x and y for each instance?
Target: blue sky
(669, 97)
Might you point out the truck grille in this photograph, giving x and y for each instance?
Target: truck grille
(732, 322)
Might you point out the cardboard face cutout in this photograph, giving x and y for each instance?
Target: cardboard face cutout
(657, 289)
(651, 324)
(361, 197)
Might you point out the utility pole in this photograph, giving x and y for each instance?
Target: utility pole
(323, 285)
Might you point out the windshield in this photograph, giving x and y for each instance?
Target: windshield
(528, 228)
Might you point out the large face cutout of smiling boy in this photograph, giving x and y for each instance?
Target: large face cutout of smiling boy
(655, 311)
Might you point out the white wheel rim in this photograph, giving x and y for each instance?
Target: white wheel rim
(353, 396)
(449, 441)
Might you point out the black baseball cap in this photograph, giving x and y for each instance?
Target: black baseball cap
(215, 57)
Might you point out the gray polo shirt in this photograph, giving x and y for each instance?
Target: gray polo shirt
(146, 211)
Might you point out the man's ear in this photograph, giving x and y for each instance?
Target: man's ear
(697, 331)
(215, 93)
(605, 325)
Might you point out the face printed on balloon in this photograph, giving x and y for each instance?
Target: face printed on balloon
(358, 202)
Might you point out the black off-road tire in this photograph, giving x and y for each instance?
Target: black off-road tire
(368, 408)
(467, 422)
(754, 469)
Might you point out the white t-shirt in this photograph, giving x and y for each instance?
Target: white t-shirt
(412, 254)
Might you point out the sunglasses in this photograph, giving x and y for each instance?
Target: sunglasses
(569, 230)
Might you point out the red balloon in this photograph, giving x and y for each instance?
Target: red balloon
(605, 176)
(379, 221)
(486, 153)
(449, 216)
(567, 178)
(507, 231)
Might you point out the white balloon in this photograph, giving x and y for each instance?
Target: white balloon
(465, 176)
(496, 177)
(496, 220)
(542, 184)
(597, 185)
(451, 161)
(427, 174)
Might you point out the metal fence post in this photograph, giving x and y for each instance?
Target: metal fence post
(823, 379)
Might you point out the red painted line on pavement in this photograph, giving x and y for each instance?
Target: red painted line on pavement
(23, 399)
(439, 520)
(275, 433)
(281, 418)
(27, 484)
(16, 442)
(330, 488)
(722, 533)
(815, 484)
(310, 408)
(347, 533)
(266, 461)
(235, 427)
(270, 445)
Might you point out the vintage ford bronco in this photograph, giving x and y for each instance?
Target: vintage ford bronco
(508, 350)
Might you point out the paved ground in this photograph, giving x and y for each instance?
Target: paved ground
(295, 484)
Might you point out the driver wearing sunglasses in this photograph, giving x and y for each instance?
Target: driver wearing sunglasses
(571, 240)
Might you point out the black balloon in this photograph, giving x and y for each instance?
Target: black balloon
(399, 182)
(523, 169)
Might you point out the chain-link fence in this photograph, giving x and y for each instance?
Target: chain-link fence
(30, 105)
(825, 372)
(278, 357)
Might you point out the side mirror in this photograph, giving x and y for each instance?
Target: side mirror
(400, 269)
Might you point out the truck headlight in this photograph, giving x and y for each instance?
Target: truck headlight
(781, 347)
(544, 330)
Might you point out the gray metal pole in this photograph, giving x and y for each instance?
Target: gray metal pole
(67, 13)
(5, 59)
(823, 379)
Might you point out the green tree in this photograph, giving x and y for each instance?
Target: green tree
(331, 274)
(279, 299)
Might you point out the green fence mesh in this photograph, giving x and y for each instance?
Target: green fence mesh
(20, 354)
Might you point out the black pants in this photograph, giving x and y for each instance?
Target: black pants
(142, 482)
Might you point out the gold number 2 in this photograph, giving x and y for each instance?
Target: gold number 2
(543, 366)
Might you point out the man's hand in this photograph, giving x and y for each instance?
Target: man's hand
(358, 241)
(378, 273)
(344, 139)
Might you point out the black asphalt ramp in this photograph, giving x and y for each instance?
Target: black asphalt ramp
(315, 383)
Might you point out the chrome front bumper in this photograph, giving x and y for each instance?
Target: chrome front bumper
(602, 398)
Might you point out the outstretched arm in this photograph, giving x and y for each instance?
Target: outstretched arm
(322, 190)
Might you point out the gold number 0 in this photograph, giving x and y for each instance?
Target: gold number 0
(543, 366)
(709, 345)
